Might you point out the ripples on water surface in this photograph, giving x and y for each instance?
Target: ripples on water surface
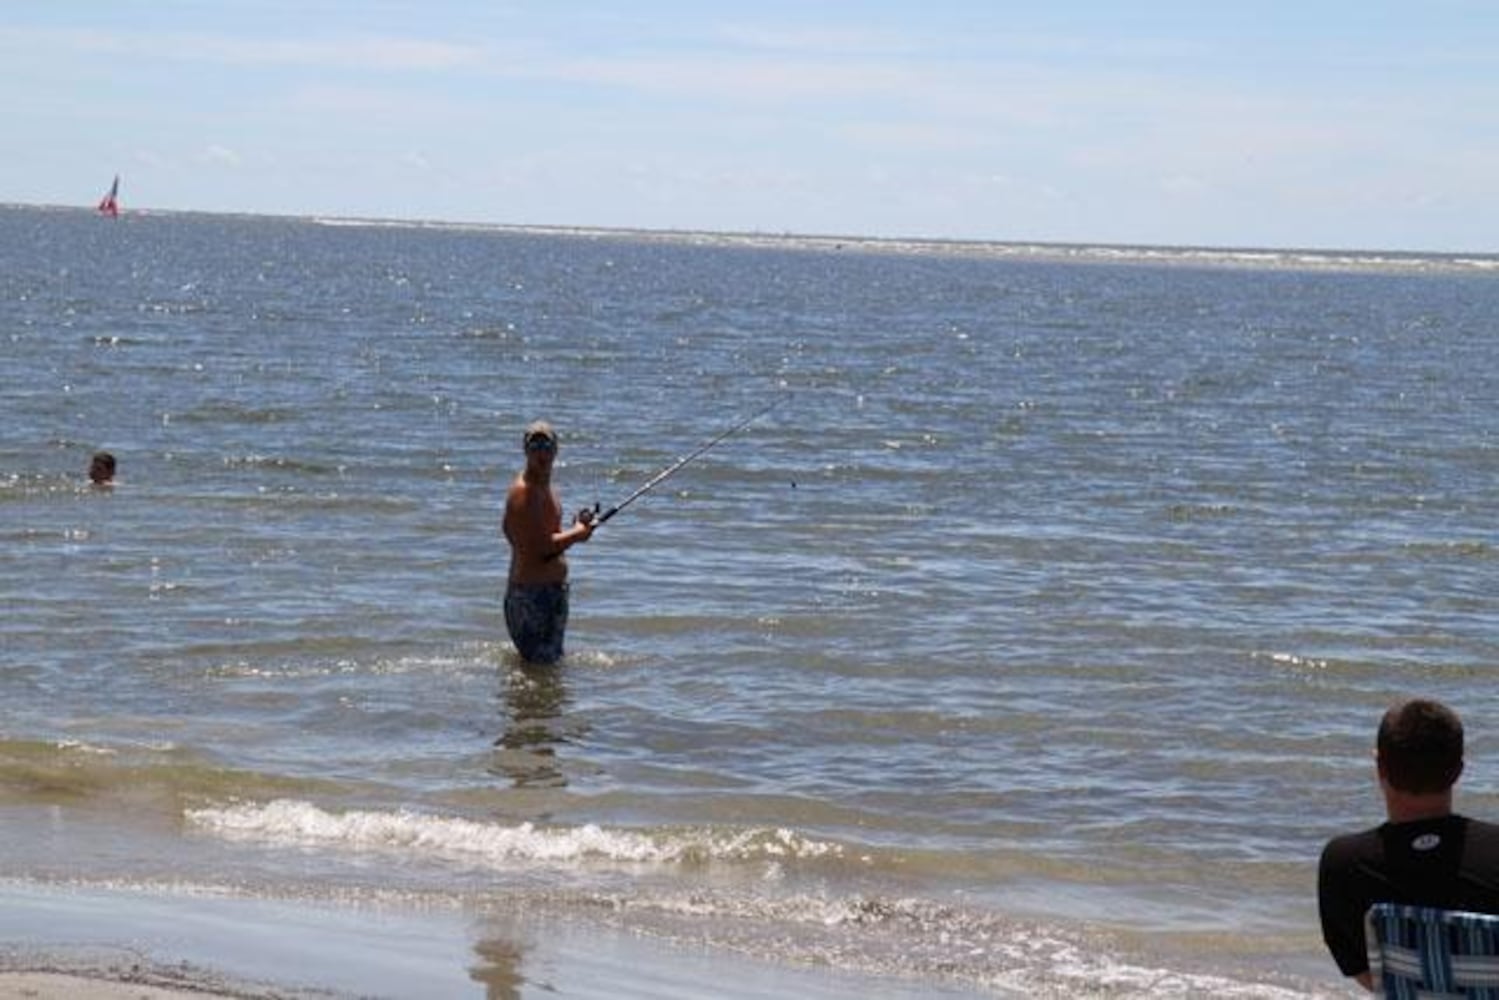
(1058, 599)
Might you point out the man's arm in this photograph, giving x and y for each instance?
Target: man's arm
(580, 531)
(1341, 907)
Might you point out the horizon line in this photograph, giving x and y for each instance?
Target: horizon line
(1072, 250)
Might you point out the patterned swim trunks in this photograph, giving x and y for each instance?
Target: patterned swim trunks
(536, 617)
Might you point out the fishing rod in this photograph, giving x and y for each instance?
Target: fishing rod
(673, 468)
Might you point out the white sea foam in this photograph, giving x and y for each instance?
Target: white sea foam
(1299, 259)
(286, 821)
(931, 941)
(77, 746)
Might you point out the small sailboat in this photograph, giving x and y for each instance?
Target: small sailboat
(110, 204)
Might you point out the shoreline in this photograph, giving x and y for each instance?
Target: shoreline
(152, 943)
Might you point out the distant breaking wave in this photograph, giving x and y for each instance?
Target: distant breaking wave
(1242, 257)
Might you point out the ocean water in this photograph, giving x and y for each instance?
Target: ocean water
(1031, 645)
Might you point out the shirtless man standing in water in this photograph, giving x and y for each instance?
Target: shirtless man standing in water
(536, 596)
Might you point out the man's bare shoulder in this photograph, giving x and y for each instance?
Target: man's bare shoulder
(519, 492)
(517, 498)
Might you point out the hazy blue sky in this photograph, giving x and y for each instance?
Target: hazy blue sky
(1327, 123)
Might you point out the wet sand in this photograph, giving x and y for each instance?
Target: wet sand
(20, 985)
(98, 943)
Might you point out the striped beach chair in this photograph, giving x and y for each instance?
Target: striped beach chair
(1422, 953)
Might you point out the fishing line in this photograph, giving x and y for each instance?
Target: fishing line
(673, 468)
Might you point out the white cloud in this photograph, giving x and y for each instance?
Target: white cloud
(353, 52)
(370, 103)
(358, 53)
(817, 40)
(1184, 185)
(750, 80)
(151, 159)
(219, 155)
(918, 136)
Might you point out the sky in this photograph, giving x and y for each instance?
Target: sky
(1337, 124)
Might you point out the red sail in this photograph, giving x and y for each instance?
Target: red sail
(110, 205)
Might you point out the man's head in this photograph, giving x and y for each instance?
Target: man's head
(540, 437)
(101, 468)
(541, 451)
(1420, 747)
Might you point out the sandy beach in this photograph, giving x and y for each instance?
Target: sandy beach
(21, 985)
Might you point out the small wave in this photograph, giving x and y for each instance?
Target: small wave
(156, 775)
(1200, 512)
(232, 413)
(926, 940)
(1470, 549)
(1293, 661)
(280, 464)
(293, 822)
(26, 487)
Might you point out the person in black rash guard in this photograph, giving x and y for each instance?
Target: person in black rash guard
(1425, 855)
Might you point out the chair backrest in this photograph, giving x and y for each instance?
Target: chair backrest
(1422, 953)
